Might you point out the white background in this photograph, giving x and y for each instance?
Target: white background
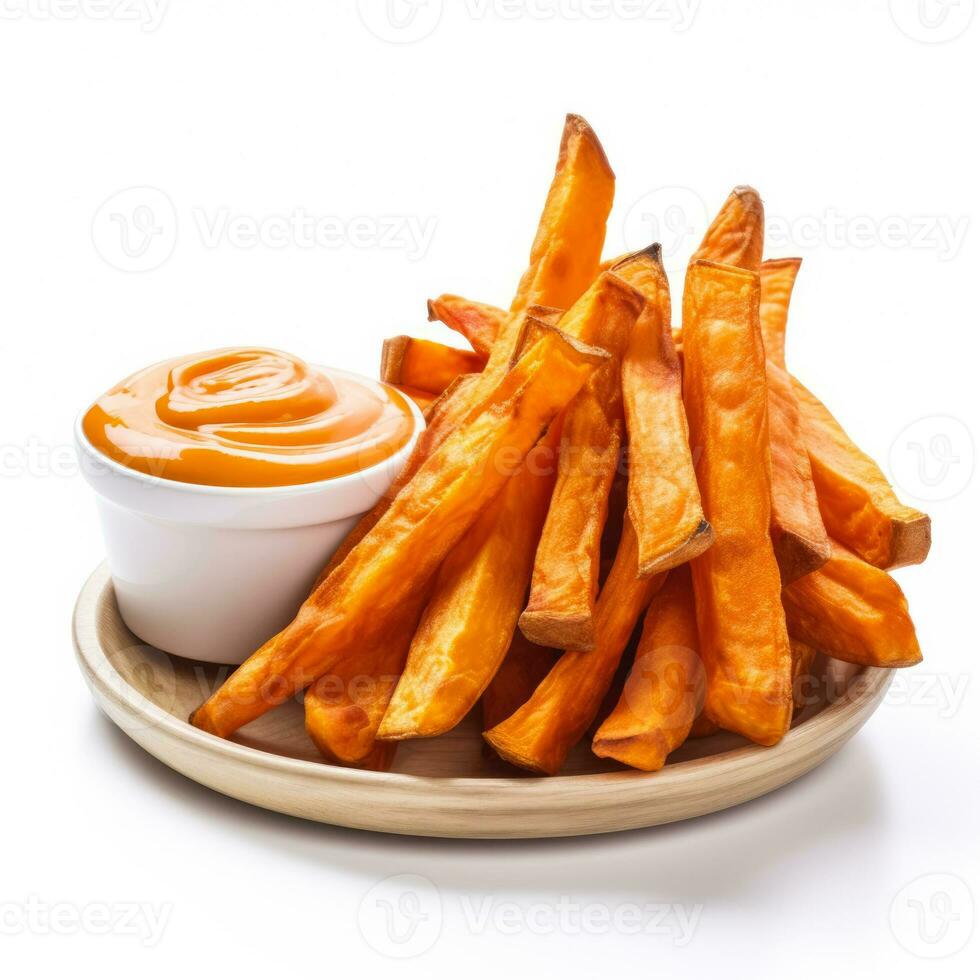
(860, 131)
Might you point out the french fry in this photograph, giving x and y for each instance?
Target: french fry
(798, 534)
(344, 707)
(468, 624)
(744, 643)
(572, 225)
(524, 667)
(854, 612)
(479, 323)
(665, 689)
(858, 506)
(539, 735)
(778, 277)
(426, 364)
(737, 234)
(561, 607)
(357, 602)
(663, 497)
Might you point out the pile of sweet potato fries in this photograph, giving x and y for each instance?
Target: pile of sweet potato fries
(743, 525)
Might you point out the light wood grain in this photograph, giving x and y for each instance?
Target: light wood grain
(443, 787)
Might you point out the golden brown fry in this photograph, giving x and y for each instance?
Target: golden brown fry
(522, 670)
(853, 611)
(737, 234)
(540, 733)
(470, 620)
(778, 277)
(356, 603)
(573, 223)
(798, 534)
(858, 506)
(468, 624)
(665, 689)
(344, 708)
(426, 364)
(664, 500)
(744, 644)
(561, 607)
(479, 323)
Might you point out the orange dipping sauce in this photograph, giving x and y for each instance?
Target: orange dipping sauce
(247, 417)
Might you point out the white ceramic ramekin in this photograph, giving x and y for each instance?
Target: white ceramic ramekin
(211, 573)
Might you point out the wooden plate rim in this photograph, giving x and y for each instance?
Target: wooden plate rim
(863, 694)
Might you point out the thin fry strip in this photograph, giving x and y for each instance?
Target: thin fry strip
(470, 620)
(853, 611)
(563, 263)
(778, 277)
(355, 604)
(737, 234)
(666, 686)
(523, 669)
(744, 643)
(468, 624)
(664, 499)
(539, 735)
(345, 706)
(426, 364)
(798, 534)
(858, 506)
(479, 323)
(560, 611)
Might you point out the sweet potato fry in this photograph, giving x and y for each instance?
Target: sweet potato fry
(778, 277)
(664, 500)
(563, 263)
(469, 621)
(561, 607)
(737, 234)
(744, 644)
(468, 624)
(665, 689)
(540, 733)
(344, 707)
(522, 670)
(479, 323)
(852, 611)
(798, 534)
(858, 506)
(426, 364)
(355, 604)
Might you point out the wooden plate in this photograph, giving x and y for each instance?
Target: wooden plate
(442, 787)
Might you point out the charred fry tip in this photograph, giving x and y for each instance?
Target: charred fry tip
(430, 308)
(515, 758)
(634, 751)
(732, 270)
(576, 125)
(534, 329)
(653, 251)
(702, 538)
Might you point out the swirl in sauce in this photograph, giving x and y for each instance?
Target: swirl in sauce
(247, 417)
